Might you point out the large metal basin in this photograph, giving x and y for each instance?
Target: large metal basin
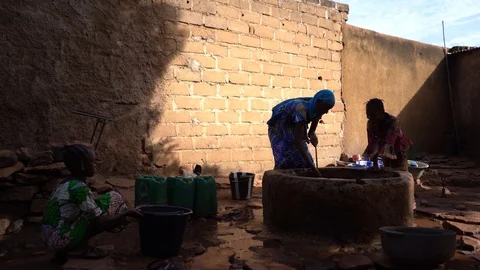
(418, 246)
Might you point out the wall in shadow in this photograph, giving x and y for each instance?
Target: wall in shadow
(427, 117)
(465, 74)
(409, 76)
(165, 150)
(103, 56)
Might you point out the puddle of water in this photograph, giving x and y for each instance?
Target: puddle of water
(424, 221)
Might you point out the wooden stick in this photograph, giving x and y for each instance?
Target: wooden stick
(457, 139)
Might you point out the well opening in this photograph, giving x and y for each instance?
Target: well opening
(345, 203)
(343, 173)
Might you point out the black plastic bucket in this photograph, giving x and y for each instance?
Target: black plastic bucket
(241, 185)
(162, 229)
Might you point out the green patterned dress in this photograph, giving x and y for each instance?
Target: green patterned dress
(70, 210)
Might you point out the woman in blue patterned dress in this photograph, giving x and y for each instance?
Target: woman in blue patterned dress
(287, 129)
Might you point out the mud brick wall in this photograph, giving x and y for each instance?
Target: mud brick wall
(464, 71)
(409, 76)
(187, 81)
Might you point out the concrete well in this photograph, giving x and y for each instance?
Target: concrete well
(346, 203)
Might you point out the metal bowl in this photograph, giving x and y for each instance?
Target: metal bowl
(418, 246)
(417, 172)
(343, 163)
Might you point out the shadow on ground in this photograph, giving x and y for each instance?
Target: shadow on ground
(237, 232)
(427, 117)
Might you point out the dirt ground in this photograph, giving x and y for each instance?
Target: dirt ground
(238, 232)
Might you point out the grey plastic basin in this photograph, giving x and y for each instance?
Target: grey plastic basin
(420, 246)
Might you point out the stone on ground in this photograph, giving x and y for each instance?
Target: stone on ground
(461, 228)
(57, 151)
(434, 212)
(254, 228)
(29, 246)
(199, 250)
(469, 243)
(317, 265)
(223, 185)
(381, 260)
(461, 181)
(30, 179)
(476, 256)
(46, 169)
(212, 240)
(107, 248)
(18, 193)
(41, 158)
(254, 266)
(35, 219)
(424, 202)
(51, 185)
(470, 217)
(15, 226)
(24, 154)
(355, 262)
(272, 243)
(447, 191)
(78, 264)
(73, 142)
(101, 188)
(236, 263)
(7, 158)
(216, 258)
(4, 224)
(97, 179)
(39, 253)
(6, 183)
(121, 182)
(255, 205)
(38, 206)
(8, 171)
(279, 266)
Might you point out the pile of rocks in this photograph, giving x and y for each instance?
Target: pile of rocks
(27, 179)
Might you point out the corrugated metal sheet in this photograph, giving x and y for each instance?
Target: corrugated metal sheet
(460, 49)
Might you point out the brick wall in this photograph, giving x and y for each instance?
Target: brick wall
(187, 81)
(239, 59)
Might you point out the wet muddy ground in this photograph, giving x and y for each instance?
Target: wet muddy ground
(237, 232)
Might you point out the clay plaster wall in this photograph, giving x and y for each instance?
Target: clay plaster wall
(187, 81)
(465, 74)
(411, 79)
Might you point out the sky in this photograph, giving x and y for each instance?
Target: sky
(420, 20)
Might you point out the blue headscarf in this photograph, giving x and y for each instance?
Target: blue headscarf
(326, 96)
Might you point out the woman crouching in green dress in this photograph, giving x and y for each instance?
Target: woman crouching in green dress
(72, 215)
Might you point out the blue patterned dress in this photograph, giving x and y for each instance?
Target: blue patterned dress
(281, 132)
